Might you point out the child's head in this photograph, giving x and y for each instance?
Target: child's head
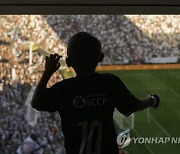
(84, 52)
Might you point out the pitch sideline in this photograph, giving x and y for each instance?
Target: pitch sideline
(137, 67)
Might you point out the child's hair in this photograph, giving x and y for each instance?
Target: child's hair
(83, 51)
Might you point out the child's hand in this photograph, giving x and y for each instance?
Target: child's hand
(52, 63)
(156, 100)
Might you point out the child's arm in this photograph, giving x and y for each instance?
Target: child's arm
(51, 66)
(151, 101)
(130, 103)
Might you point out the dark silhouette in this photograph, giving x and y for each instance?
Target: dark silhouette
(86, 102)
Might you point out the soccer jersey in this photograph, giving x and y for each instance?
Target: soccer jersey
(86, 105)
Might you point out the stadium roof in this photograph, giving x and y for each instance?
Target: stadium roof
(89, 6)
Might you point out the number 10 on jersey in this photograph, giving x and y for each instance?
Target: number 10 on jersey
(91, 137)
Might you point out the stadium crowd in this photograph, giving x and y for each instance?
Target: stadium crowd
(125, 39)
(14, 128)
(17, 76)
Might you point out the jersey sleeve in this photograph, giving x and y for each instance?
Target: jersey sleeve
(50, 98)
(125, 101)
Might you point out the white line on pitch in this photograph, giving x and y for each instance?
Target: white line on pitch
(159, 125)
(174, 91)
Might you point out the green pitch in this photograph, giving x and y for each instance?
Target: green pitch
(165, 121)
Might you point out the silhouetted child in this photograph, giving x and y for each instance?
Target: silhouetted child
(86, 102)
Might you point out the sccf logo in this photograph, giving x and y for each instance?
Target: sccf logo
(79, 101)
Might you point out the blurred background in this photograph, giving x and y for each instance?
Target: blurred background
(143, 50)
